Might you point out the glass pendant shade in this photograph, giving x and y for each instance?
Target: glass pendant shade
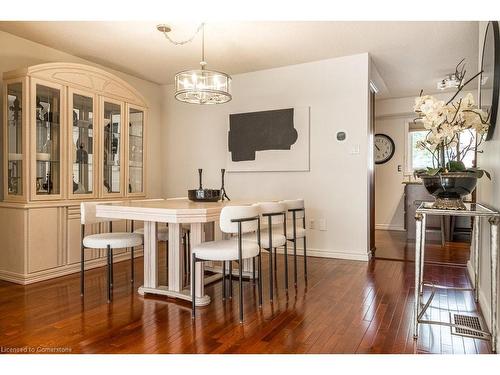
(202, 86)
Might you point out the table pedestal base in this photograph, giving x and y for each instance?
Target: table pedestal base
(185, 294)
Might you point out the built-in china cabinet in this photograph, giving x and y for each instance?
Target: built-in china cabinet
(71, 132)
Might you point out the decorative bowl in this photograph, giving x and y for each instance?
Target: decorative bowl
(450, 188)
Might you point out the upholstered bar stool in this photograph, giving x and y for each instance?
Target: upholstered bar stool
(108, 241)
(233, 220)
(296, 229)
(272, 236)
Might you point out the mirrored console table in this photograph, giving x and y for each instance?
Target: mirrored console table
(478, 212)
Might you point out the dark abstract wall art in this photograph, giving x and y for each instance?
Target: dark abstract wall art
(260, 131)
(271, 140)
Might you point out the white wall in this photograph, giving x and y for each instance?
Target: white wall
(488, 192)
(17, 52)
(335, 189)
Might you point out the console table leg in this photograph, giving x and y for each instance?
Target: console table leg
(418, 249)
(422, 255)
(477, 234)
(494, 279)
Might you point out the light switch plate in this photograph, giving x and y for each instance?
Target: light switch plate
(322, 224)
(355, 149)
(311, 223)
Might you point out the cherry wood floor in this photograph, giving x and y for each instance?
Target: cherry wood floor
(394, 245)
(347, 307)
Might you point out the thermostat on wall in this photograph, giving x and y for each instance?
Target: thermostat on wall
(341, 135)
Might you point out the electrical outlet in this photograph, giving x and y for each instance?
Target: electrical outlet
(311, 223)
(322, 224)
(399, 168)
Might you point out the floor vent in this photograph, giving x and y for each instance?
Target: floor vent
(467, 321)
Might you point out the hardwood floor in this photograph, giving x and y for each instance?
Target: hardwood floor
(394, 245)
(347, 307)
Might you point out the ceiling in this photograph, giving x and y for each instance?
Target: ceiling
(408, 55)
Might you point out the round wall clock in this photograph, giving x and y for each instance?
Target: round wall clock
(384, 148)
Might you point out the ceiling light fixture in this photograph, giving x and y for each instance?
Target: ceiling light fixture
(448, 82)
(199, 86)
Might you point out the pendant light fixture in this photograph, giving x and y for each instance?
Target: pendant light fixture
(199, 86)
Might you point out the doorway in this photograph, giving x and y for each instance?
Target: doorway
(371, 175)
(398, 194)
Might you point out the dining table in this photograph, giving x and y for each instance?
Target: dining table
(174, 212)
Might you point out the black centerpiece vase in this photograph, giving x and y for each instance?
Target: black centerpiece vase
(449, 188)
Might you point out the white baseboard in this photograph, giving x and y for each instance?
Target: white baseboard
(34, 277)
(322, 253)
(390, 227)
(484, 303)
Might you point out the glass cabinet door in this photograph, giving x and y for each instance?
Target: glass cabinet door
(135, 150)
(82, 144)
(15, 139)
(112, 139)
(47, 140)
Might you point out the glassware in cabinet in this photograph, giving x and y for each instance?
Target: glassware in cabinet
(135, 150)
(15, 139)
(112, 131)
(47, 141)
(82, 144)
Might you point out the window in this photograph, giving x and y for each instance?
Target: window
(418, 159)
(468, 138)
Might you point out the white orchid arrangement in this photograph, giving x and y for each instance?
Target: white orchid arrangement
(446, 122)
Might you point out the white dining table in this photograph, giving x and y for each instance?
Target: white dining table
(175, 212)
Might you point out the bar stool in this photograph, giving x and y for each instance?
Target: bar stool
(233, 220)
(296, 211)
(109, 241)
(272, 236)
